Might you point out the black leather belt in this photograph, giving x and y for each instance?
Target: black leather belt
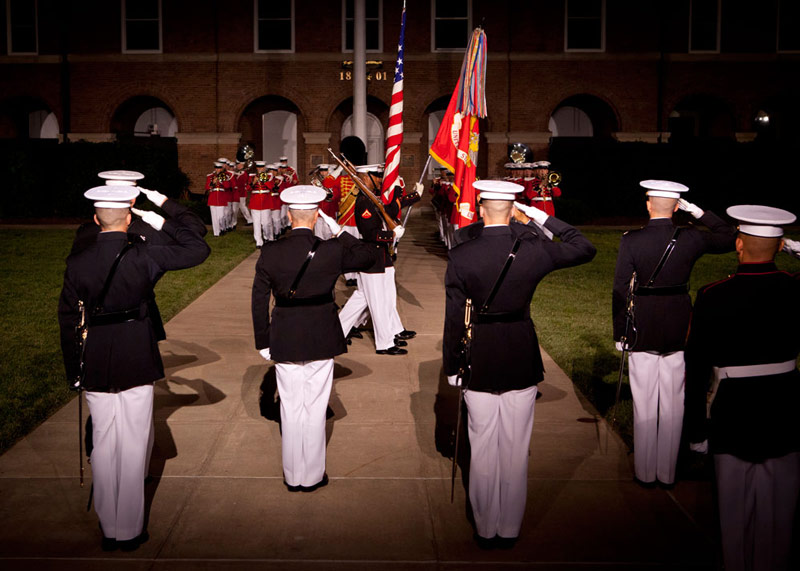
(303, 301)
(664, 290)
(505, 317)
(115, 317)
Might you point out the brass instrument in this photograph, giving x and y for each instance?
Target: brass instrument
(263, 177)
(553, 179)
(245, 155)
(349, 168)
(519, 153)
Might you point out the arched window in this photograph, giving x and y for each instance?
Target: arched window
(570, 121)
(376, 151)
(42, 124)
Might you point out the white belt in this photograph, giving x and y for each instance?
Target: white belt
(541, 198)
(755, 370)
(260, 192)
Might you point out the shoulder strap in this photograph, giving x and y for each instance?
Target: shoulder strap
(98, 306)
(309, 257)
(664, 257)
(499, 281)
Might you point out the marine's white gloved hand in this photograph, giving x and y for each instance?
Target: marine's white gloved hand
(453, 381)
(265, 353)
(699, 447)
(279, 178)
(618, 345)
(418, 188)
(791, 247)
(398, 232)
(154, 196)
(538, 216)
(692, 209)
(150, 218)
(335, 228)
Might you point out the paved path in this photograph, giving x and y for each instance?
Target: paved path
(218, 501)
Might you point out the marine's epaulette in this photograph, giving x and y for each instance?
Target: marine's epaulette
(707, 287)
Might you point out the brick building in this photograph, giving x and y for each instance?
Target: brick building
(214, 75)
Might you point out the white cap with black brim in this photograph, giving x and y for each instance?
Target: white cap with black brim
(303, 196)
(663, 188)
(762, 221)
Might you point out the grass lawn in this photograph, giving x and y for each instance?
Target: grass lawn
(32, 383)
(572, 312)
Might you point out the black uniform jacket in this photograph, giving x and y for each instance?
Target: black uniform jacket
(303, 332)
(370, 224)
(505, 355)
(120, 356)
(86, 235)
(472, 231)
(661, 320)
(750, 318)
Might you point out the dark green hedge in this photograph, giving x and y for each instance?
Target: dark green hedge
(44, 179)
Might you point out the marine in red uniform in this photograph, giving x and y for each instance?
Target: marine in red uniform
(242, 182)
(544, 191)
(261, 185)
(215, 191)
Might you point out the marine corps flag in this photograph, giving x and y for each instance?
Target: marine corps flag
(456, 144)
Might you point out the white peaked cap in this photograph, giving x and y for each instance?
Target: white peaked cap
(498, 189)
(121, 177)
(377, 167)
(763, 221)
(303, 196)
(260, 164)
(663, 188)
(109, 196)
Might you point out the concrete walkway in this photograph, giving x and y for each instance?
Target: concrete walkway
(217, 497)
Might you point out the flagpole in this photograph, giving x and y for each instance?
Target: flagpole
(421, 176)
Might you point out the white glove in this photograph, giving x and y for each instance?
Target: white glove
(265, 353)
(791, 247)
(418, 188)
(150, 218)
(335, 228)
(154, 196)
(692, 209)
(700, 447)
(618, 345)
(398, 232)
(453, 381)
(538, 216)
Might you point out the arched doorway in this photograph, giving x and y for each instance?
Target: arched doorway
(377, 117)
(144, 116)
(375, 141)
(269, 125)
(583, 116)
(27, 118)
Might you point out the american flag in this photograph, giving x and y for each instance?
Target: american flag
(394, 135)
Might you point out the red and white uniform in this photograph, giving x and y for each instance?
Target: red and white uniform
(242, 182)
(261, 202)
(217, 200)
(542, 196)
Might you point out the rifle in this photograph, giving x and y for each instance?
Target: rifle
(464, 372)
(81, 331)
(630, 327)
(349, 168)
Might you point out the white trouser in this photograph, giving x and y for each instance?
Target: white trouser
(378, 294)
(757, 504)
(449, 232)
(245, 210)
(304, 388)
(217, 219)
(284, 215)
(353, 231)
(276, 222)
(235, 212)
(499, 437)
(229, 216)
(322, 230)
(657, 383)
(262, 226)
(121, 434)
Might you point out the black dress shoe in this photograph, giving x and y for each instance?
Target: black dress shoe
(393, 350)
(107, 543)
(133, 544)
(355, 333)
(293, 488)
(484, 543)
(406, 334)
(400, 343)
(505, 542)
(645, 485)
(321, 484)
(664, 486)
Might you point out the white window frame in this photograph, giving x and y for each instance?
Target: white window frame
(9, 42)
(719, 29)
(602, 47)
(778, 32)
(125, 49)
(433, 29)
(380, 29)
(255, 31)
